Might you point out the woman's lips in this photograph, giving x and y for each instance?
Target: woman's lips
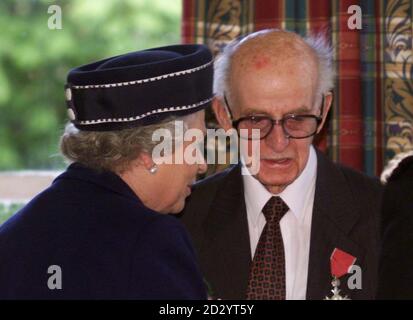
(188, 190)
(277, 163)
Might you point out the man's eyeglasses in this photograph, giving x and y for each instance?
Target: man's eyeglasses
(294, 126)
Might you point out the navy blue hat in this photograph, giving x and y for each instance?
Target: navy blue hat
(140, 88)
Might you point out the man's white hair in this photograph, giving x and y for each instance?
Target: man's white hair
(318, 43)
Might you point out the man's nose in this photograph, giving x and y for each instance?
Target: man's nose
(277, 139)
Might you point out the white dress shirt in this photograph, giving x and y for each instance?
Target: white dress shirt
(295, 225)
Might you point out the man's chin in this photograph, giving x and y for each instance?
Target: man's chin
(275, 181)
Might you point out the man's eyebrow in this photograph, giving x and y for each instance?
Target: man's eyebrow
(299, 110)
(250, 111)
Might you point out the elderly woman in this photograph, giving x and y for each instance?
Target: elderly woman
(102, 229)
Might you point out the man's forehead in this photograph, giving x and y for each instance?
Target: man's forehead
(262, 76)
(260, 61)
(273, 49)
(273, 83)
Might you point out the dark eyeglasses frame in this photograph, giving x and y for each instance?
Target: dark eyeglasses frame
(319, 119)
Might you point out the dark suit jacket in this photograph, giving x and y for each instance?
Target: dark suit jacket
(396, 257)
(345, 216)
(107, 244)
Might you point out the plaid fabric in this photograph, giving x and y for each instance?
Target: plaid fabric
(372, 113)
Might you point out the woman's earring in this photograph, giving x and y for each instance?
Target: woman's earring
(153, 169)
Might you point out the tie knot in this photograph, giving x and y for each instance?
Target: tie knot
(275, 209)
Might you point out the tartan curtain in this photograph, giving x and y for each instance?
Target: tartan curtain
(372, 113)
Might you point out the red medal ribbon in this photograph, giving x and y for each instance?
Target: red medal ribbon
(341, 262)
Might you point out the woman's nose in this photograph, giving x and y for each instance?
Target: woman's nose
(202, 167)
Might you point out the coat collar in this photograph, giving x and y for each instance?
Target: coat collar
(103, 179)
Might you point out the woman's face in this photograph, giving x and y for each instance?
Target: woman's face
(175, 179)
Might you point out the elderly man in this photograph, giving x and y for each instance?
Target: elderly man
(271, 235)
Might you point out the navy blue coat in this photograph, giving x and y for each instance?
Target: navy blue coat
(107, 244)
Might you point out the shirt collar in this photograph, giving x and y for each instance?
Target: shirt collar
(256, 195)
(295, 195)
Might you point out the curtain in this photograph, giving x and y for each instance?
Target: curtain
(372, 113)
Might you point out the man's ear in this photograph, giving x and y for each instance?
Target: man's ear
(221, 114)
(328, 99)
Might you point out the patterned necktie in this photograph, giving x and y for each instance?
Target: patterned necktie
(267, 274)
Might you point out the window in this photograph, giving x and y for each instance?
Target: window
(37, 50)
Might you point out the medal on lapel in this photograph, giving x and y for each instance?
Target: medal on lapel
(340, 263)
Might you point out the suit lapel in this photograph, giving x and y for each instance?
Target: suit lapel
(227, 244)
(334, 215)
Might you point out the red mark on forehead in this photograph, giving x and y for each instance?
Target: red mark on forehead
(260, 62)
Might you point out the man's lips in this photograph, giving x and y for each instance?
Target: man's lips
(277, 163)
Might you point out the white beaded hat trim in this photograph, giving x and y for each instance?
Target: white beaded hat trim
(161, 110)
(164, 76)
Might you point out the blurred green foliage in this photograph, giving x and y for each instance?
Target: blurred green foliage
(34, 62)
(6, 211)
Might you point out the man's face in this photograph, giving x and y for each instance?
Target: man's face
(276, 92)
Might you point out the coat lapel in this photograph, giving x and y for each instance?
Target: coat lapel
(334, 215)
(227, 242)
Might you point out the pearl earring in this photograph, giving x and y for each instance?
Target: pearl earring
(153, 169)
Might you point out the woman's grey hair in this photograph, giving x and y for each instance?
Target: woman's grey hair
(114, 150)
(318, 43)
(393, 164)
